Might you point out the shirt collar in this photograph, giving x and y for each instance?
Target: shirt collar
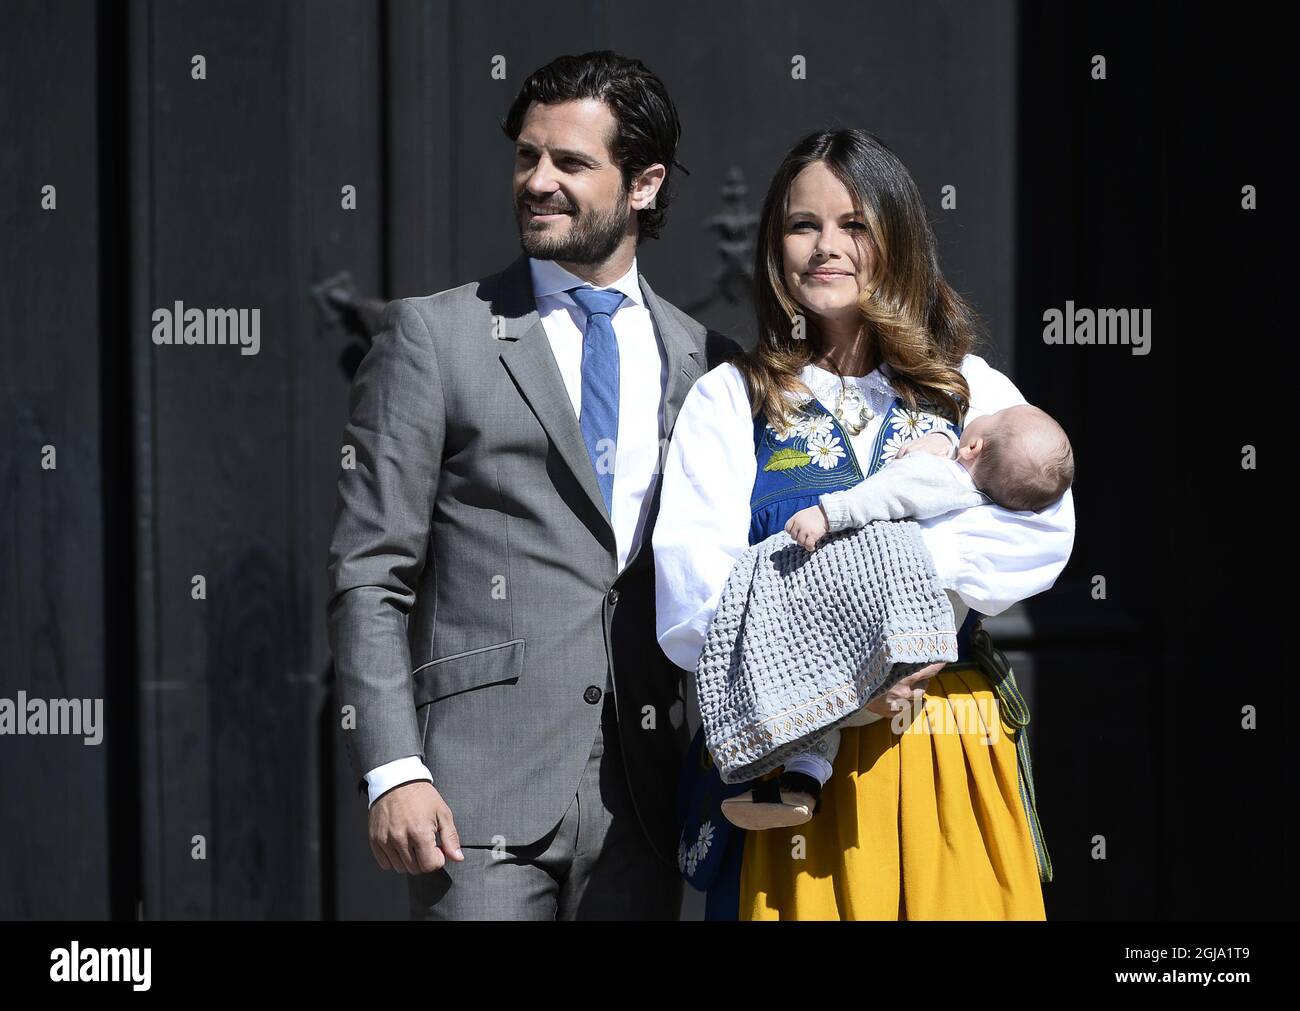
(878, 379)
(961, 473)
(549, 278)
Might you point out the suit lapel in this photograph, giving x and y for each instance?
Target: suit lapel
(686, 359)
(526, 353)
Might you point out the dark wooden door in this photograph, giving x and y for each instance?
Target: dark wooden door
(221, 790)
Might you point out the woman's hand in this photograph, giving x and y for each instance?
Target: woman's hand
(901, 694)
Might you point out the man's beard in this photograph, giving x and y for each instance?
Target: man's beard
(592, 238)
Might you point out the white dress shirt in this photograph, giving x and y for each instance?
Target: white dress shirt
(640, 422)
(987, 557)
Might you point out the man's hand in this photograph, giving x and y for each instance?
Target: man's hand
(935, 443)
(901, 694)
(808, 526)
(412, 831)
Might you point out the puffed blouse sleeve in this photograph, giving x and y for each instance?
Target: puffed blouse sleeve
(704, 516)
(990, 556)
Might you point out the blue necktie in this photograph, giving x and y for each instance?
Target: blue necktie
(598, 417)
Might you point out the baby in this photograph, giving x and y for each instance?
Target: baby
(1018, 458)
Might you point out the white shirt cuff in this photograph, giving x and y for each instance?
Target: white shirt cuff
(404, 770)
(837, 513)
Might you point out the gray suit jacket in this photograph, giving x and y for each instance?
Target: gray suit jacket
(474, 602)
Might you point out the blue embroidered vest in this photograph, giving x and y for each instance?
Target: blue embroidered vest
(795, 468)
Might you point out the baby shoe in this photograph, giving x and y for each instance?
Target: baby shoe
(790, 799)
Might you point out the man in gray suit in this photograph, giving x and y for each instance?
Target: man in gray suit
(513, 721)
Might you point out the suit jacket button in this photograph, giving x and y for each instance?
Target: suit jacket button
(592, 695)
(613, 596)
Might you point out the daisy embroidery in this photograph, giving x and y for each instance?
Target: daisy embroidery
(912, 424)
(783, 434)
(692, 859)
(891, 447)
(705, 840)
(816, 425)
(825, 451)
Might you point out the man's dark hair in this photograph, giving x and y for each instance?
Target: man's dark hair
(647, 128)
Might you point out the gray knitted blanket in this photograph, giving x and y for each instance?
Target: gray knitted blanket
(801, 640)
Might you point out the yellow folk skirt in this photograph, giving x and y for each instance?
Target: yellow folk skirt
(927, 824)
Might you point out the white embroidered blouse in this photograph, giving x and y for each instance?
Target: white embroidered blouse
(985, 555)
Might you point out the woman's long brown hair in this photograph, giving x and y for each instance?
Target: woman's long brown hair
(915, 322)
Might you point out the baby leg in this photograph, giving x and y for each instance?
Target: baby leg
(818, 758)
(791, 798)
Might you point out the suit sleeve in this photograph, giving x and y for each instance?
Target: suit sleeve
(396, 428)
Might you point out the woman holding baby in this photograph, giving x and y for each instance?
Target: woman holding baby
(862, 349)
